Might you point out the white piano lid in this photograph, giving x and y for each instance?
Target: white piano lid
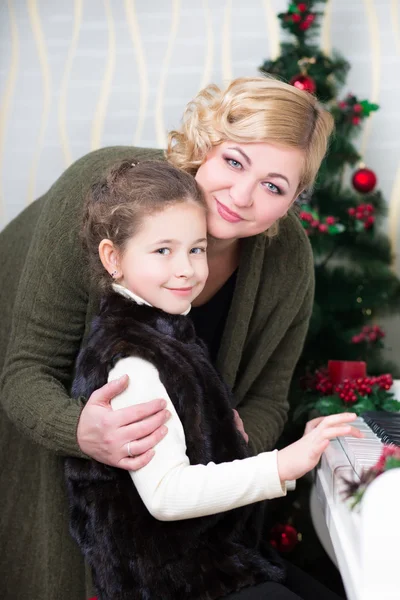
(380, 538)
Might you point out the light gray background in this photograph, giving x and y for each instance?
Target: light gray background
(81, 74)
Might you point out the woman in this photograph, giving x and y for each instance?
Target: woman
(253, 148)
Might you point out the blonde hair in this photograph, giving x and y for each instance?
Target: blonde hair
(253, 109)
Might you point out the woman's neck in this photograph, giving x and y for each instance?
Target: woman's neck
(223, 260)
(222, 249)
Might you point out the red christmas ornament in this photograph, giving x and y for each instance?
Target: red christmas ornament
(364, 180)
(304, 82)
(302, 6)
(284, 537)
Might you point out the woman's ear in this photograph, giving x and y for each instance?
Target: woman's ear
(109, 257)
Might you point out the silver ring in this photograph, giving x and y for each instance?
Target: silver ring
(129, 450)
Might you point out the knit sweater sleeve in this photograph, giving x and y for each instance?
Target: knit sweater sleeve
(169, 486)
(50, 313)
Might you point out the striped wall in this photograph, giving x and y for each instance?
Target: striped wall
(80, 74)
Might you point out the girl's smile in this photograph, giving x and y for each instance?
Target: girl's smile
(165, 261)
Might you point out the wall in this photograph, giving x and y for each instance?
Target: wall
(78, 75)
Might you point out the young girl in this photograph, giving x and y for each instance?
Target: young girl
(145, 232)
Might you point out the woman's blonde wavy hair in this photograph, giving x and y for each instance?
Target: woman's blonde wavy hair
(252, 109)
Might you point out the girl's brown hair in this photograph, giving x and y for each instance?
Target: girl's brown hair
(116, 206)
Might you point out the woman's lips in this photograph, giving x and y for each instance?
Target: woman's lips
(226, 214)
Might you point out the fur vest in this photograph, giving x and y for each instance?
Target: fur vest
(132, 555)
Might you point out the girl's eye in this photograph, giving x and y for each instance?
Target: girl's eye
(197, 250)
(273, 188)
(164, 251)
(234, 163)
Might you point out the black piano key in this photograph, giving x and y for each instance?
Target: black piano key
(385, 425)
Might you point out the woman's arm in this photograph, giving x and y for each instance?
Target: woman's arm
(50, 312)
(169, 486)
(47, 328)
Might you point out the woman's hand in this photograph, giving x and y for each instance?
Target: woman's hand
(104, 434)
(296, 460)
(240, 426)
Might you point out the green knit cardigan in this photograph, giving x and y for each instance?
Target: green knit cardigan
(46, 313)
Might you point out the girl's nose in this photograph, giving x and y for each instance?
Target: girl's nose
(184, 267)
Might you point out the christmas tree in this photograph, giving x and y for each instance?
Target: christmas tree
(355, 282)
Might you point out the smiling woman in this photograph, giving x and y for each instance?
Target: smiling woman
(252, 313)
(249, 185)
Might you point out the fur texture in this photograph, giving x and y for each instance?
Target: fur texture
(132, 555)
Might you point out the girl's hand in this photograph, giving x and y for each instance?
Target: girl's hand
(104, 434)
(312, 424)
(296, 460)
(240, 426)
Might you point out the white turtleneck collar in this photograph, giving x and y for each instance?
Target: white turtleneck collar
(120, 289)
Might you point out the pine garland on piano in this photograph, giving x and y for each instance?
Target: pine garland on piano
(355, 490)
(349, 395)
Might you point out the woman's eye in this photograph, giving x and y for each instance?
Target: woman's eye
(197, 250)
(163, 251)
(234, 163)
(273, 188)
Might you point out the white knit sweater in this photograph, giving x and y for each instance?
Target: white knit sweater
(169, 486)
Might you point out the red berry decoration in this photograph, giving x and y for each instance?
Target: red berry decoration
(364, 214)
(304, 82)
(308, 21)
(284, 537)
(364, 180)
(369, 221)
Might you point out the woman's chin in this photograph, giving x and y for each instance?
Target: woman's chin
(222, 231)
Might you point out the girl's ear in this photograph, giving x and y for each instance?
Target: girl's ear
(109, 257)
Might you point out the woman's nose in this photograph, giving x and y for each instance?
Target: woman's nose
(242, 194)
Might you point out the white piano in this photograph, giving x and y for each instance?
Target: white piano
(365, 545)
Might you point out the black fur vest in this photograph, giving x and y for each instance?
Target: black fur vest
(132, 555)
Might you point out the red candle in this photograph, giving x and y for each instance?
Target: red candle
(339, 370)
